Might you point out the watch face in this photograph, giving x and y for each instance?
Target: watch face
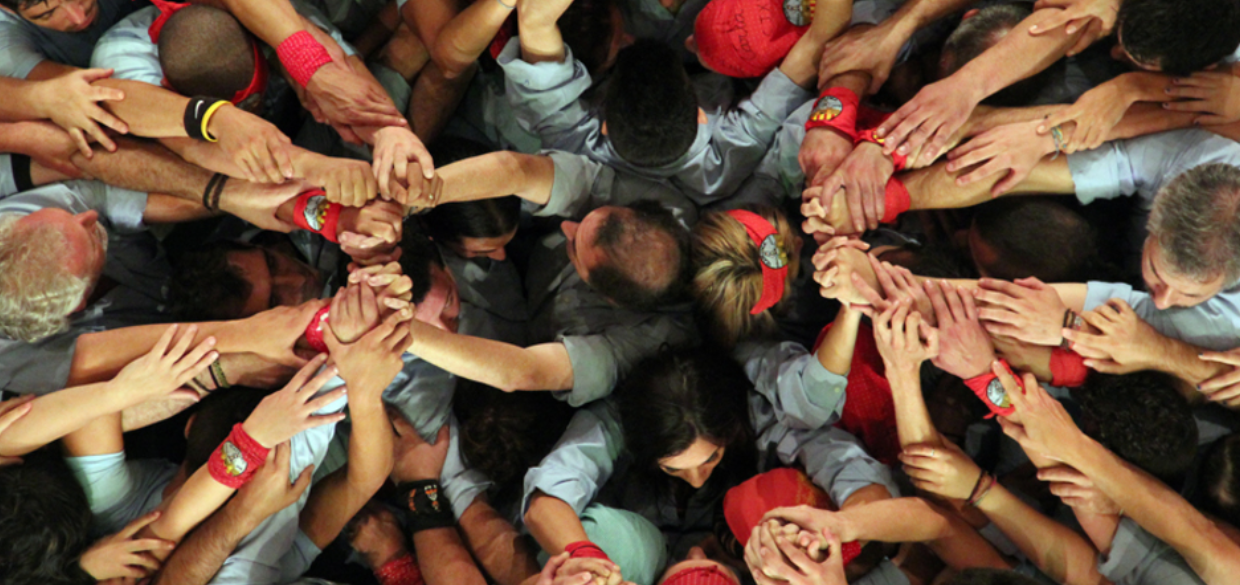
(771, 255)
(997, 394)
(234, 461)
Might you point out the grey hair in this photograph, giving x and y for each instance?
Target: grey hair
(1196, 222)
(37, 293)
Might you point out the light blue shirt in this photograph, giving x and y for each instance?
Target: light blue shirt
(23, 44)
(1139, 558)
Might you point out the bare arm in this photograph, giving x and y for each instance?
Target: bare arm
(1056, 549)
(502, 365)
(497, 545)
(836, 352)
(196, 560)
(498, 174)
(553, 523)
(468, 34)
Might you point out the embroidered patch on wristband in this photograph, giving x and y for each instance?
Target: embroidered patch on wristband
(313, 212)
(990, 389)
(236, 460)
(836, 109)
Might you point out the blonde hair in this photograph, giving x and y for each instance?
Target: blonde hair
(727, 274)
(37, 292)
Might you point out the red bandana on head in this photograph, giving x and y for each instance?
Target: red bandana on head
(700, 576)
(258, 83)
(772, 255)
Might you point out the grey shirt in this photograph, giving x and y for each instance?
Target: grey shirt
(1139, 558)
(23, 44)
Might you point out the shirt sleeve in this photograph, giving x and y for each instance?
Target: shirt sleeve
(1139, 558)
(599, 360)
(1213, 324)
(573, 192)
(1142, 166)
(546, 99)
(19, 54)
(805, 395)
(461, 484)
(127, 49)
(117, 490)
(581, 462)
(836, 462)
(37, 368)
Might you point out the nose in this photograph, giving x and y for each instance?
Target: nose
(77, 14)
(697, 477)
(498, 255)
(691, 44)
(1163, 297)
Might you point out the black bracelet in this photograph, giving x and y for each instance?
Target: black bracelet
(195, 111)
(428, 505)
(206, 193)
(219, 190)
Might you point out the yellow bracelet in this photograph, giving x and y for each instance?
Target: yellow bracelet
(206, 119)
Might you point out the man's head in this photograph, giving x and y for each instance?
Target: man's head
(435, 297)
(59, 15)
(471, 229)
(594, 31)
(980, 30)
(50, 261)
(204, 51)
(1193, 248)
(1019, 237)
(1220, 479)
(650, 110)
(1177, 36)
(44, 523)
(231, 280)
(1142, 418)
(636, 256)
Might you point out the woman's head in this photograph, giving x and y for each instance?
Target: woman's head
(475, 229)
(1220, 479)
(44, 523)
(684, 412)
(728, 273)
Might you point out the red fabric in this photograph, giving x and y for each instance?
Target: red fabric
(867, 131)
(506, 32)
(999, 405)
(258, 83)
(837, 108)
(869, 409)
(236, 460)
(895, 201)
(400, 571)
(586, 549)
(166, 10)
(302, 56)
(744, 38)
(746, 504)
(313, 212)
(1067, 368)
(314, 331)
(699, 576)
(772, 257)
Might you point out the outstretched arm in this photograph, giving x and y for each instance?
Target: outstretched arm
(505, 366)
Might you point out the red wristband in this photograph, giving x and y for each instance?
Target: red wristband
(302, 56)
(400, 571)
(586, 549)
(1067, 368)
(988, 387)
(236, 460)
(836, 109)
(313, 212)
(896, 200)
(871, 135)
(314, 331)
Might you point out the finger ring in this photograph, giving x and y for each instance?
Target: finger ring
(933, 452)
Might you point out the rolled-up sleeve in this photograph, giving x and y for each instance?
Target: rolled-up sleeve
(1139, 558)
(460, 483)
(573, 191)
(599, 360)
(19, 54)
(805, 395)
(545, 98)
(1142, 166)
(581, 462)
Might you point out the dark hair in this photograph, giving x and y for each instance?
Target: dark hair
(214, 418)
(17, 5)
(668, 401)
(44, 523)
(977, 576)
(647, 257)
(649, 105)
(587, 27)
(1142, 418)
(417, 256)
(982, 31)
(505, 434)
(1179, 36)
(205, 286)
(1035, 236)
(205, 51)
(1220, 479)
(485, 218)
(930, 260)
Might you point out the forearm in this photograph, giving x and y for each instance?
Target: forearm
(831, 17)
(99, 356)
(984, 118)
(913, 422)
(199, 558)
(1181, 360)
(499, 174)
(935, 188)
(444, 560)
(198, 499)
(272, 20)
(836, 351)
(1058, 551)
(894, 520)
(498, 546)
(21, 100)
(495, 363)
(149, 110)
(540, 41)
(146, 167)
(1100, 528)
(1013, 58)
(553, 523)
(467, 35)
(57, 414)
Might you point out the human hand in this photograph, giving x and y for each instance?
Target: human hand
(587, 570)
(11, 411)
(258, 203)
(1012, 148)
(415, 459)
(168, 366)
(72, 102)
(367, 251)
(345, 98)
(897, 283)
(370, 364)
(927, 123)
(540, 13)
(1025, 357)
(354, 312)
(822, 150)
(1078, 491)
(395, 289)
(378, 537)
(269, 491)
(863, 177)
(1045, 427)
(835, 263)
(945, 471)
(1094, 114)
(779, 559)
(964, 349)
(904, 340)
(379, 222)
(395, 148)
(826, 214)
(1223, 388)
(279, 329)
(291, 410)
(1124, 343)
(791, 520)
(861, 48)
(1026, 310)
(121, 555)
(1095, 17)
(1216, 94)
(345, 181)
(263, 153)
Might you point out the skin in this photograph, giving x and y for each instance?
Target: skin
(276, 279)
(695, 464)
(1170, 289)
(62, 15)
(492, 248)
(697, 559)
(442, 305)
(582, 235)
(85, 241)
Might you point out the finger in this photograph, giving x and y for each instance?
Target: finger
(1064, 474)
(1220, 382)
(106, 118)
(267, 163)
(300, 379)
(325, 399)
(79, 138)
(100, 136)
(161, 345)
(150, 544)
(795, 554)
(1231, 357)
(144, 561)
(970, 305)
(302, 483)
(937, 301)
(133, 527)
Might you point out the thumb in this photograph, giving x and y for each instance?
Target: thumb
(835, 556)
(303, 480)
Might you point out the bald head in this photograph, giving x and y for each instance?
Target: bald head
(645, 259)
(204, 51)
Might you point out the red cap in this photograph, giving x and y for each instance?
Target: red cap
(746, 504)
(771, 255)
(744, 38)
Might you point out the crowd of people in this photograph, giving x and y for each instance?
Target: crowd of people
(604, 292)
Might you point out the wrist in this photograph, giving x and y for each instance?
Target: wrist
(242, 517)
(257, 435)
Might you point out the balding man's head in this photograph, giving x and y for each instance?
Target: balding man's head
(637, 256)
